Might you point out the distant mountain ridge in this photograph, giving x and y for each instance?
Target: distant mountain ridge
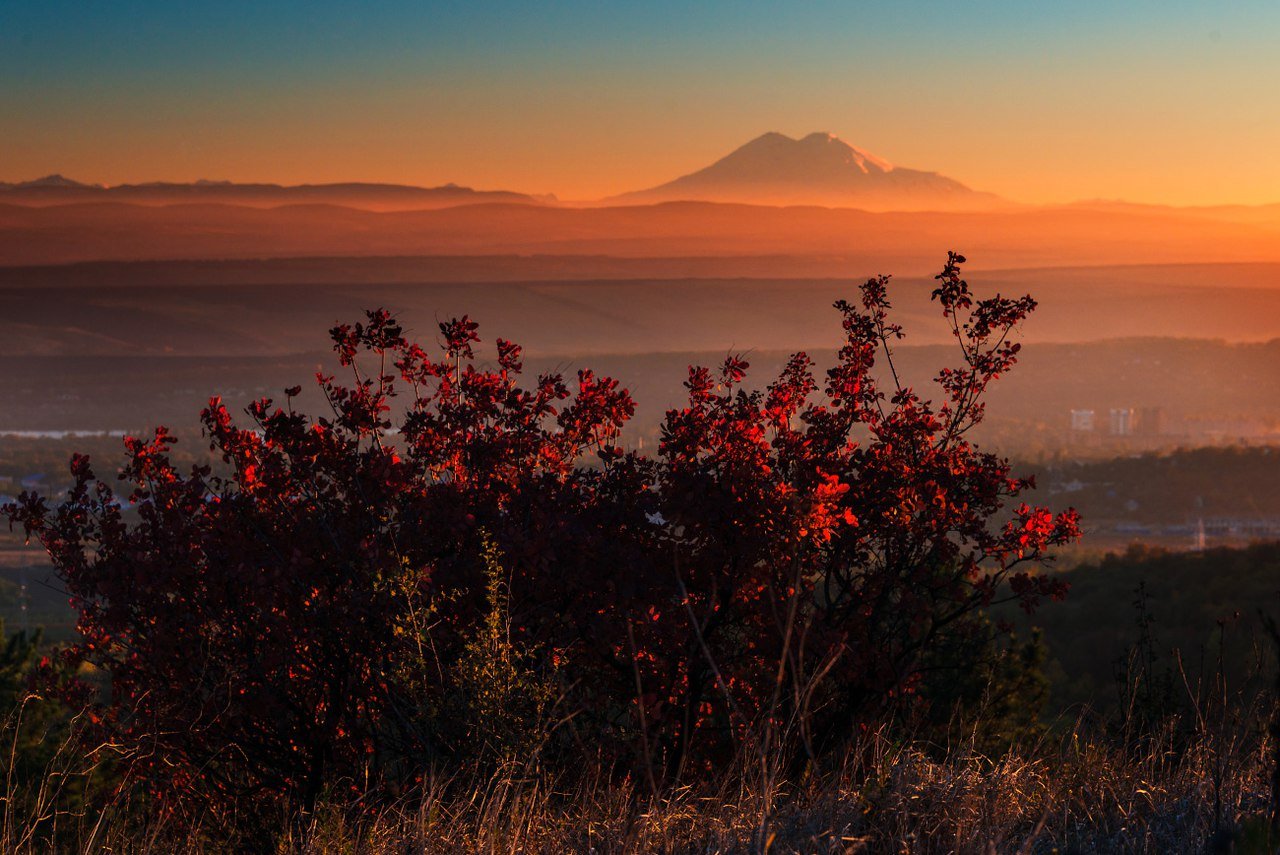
(54, 180)
(898, 241)
(773, 169)
(59, 190)
(819, 169)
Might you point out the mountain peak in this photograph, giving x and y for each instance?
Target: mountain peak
(817, 169)
(54, 180)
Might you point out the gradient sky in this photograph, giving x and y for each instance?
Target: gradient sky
(1169, 101)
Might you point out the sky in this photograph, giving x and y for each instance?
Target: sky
(1165, 102)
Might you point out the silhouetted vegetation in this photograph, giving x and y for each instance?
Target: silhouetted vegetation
(453, 612)
(1168, 614)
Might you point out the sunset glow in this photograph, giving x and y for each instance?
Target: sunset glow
(1168, 102)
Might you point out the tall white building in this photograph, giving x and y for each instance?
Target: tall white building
(1122, 421)
(1082, 420)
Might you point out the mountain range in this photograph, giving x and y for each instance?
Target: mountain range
(58, 190)
(773, 169)
(816, 197)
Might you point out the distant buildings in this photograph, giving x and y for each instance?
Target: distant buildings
(1082, 421)
(1150, 426)
(1120, 422)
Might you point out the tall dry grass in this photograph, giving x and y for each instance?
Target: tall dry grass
(1079, 793)
(1201, 775)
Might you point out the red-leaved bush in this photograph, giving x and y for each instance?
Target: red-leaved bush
(294, 619)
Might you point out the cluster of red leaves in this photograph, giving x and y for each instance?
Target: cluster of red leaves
(789, 556)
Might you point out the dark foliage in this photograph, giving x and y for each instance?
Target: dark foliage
(305, 618)
(1151, 622)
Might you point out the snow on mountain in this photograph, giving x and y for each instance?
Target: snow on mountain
(819, 169)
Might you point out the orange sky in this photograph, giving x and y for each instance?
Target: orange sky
(1168, 103)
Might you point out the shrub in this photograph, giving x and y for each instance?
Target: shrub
(298, 620)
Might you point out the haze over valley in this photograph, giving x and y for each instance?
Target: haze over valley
(746, 254)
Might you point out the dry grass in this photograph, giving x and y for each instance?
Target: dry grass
(1082, 798)
(1078, 795)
